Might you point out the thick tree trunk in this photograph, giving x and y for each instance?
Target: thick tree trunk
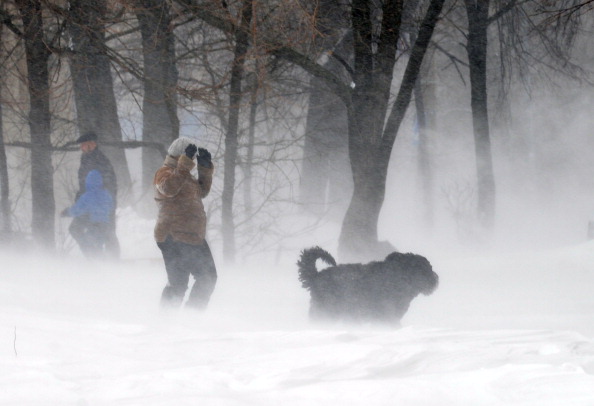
(231, 138)
(372, 80)
(160, 122)
(96, 106)
(42, 182)
(370, 145)
(359, 238)
(478, 14)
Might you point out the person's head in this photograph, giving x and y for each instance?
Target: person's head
(87, 141)
(178, 146)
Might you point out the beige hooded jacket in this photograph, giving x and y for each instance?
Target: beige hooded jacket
(179, 199)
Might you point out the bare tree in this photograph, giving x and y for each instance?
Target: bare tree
(513, 32)
(4, 181)
(370, 141)
(42, 183)
(231, 139)
(424, 99)
(367, 101)
(159, 106)
(478, 22)
(424, 126)
(96, 106)
(326, 179)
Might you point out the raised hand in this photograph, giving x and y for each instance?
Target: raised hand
(204, 158)
(191, 151)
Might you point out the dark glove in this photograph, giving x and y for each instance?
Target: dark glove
(203, 158)
(191, 151)
(64, 213)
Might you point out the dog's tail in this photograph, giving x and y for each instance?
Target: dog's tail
(307, 264)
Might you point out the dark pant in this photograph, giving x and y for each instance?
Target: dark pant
(90, 237)
(181, 260)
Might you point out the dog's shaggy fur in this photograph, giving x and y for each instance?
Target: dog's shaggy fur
(380, 291)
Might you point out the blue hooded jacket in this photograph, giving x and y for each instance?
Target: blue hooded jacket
(96, 202)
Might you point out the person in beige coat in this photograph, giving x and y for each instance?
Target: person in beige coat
(180, 230)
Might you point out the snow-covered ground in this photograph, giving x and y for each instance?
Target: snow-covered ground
(515, 329)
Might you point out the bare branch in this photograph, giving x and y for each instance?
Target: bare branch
(6, 19)
(276, 49)
(70, 148)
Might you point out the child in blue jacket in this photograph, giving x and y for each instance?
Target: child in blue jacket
(92, 213)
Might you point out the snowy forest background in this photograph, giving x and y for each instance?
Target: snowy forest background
(458, 130)
(264, 87)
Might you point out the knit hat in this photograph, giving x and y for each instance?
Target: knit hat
(88, 136)
(178, 146)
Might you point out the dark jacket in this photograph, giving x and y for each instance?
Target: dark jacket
(96, 202)
(179, 199)
(96, 160)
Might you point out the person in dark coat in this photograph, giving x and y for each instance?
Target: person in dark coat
(92, 158)
(181, 224)
(94, 208)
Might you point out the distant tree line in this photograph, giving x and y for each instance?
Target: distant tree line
(320, 86)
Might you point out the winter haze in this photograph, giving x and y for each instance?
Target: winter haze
(511, 323)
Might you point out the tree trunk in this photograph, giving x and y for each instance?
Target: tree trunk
(249, 159)
(6, 227)
(159, 120)
(96, 106)
(423, 162)
(325, 174)
(478, 15)
(326, 181)
(424, 122)
(42, 183)
(359, 238)
(370, 145)
(231, 139)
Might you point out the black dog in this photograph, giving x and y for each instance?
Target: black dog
(380, 291)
